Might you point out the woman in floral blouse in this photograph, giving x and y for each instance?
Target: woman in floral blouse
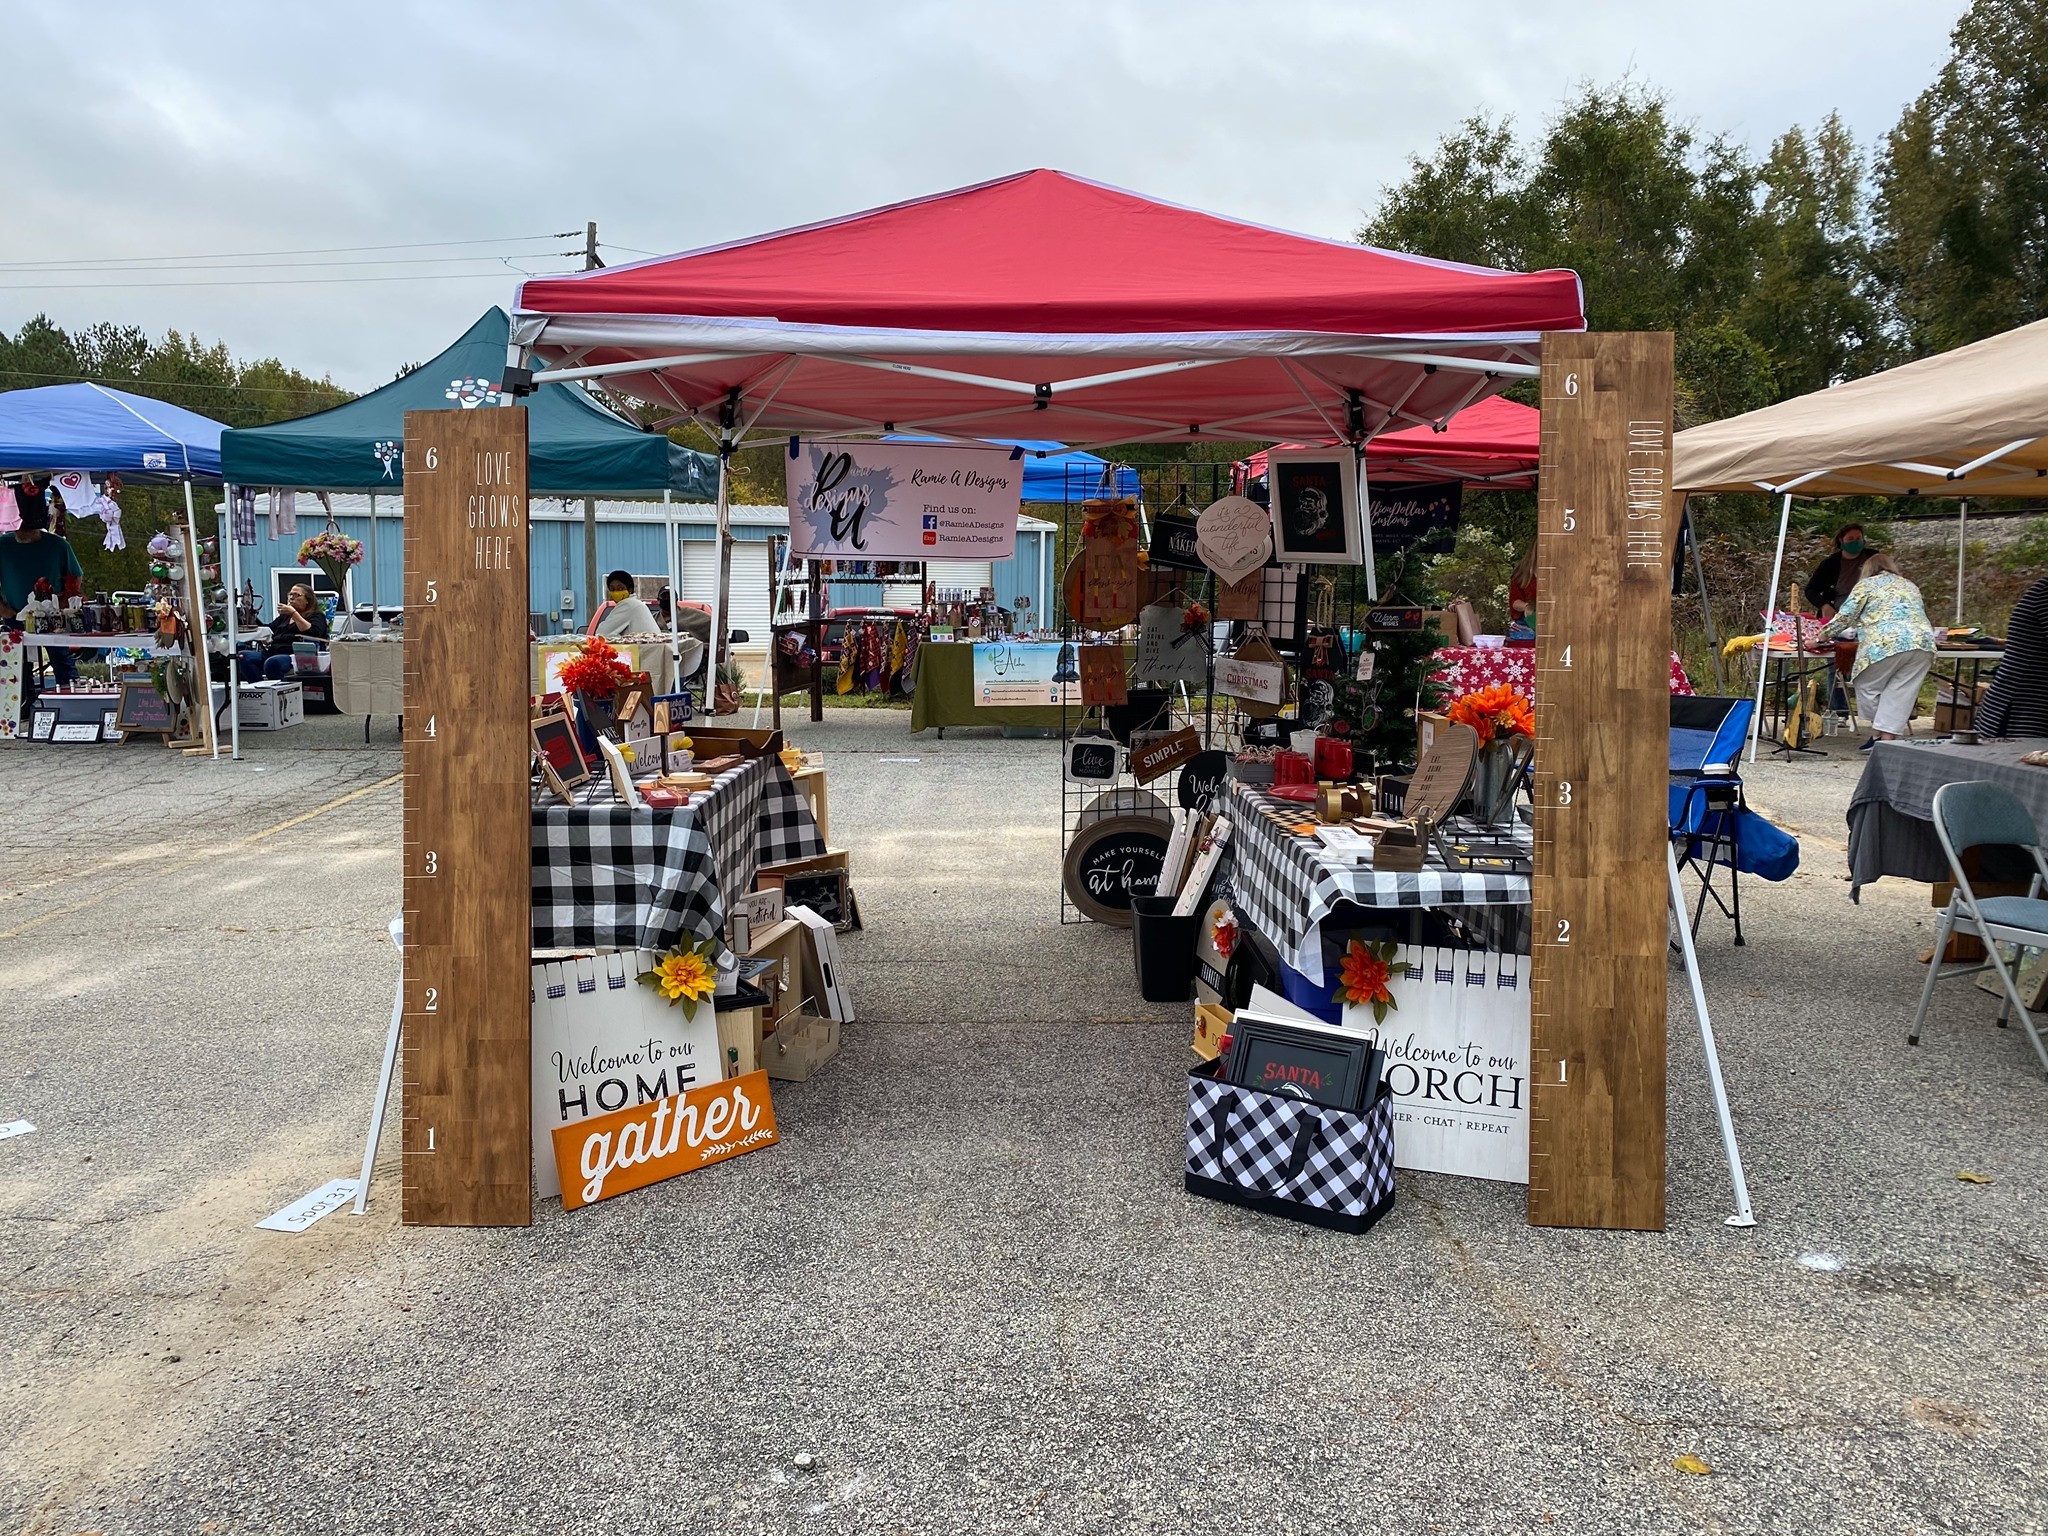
(1894, 646)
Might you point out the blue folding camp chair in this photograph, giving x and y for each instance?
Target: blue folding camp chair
(1977, 814)
(1706, 805)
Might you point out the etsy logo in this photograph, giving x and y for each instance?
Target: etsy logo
(631, 1148)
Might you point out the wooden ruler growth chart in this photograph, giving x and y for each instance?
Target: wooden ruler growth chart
(468, 1148)
(1600, 897)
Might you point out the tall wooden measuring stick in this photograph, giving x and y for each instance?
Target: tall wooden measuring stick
(1601, 894)
(467, 1026)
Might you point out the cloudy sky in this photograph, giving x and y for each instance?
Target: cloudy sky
(209, 130)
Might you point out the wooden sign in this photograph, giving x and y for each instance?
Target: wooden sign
(1173, 543)
(1102, 675)
(1394, 620)
(1164, 755)
(1234, 538)
(1241, 600)
(1442, 775)
(1113, 860)
(1600, 894)
(468, 834)
(632, 1148)
(1255, 676)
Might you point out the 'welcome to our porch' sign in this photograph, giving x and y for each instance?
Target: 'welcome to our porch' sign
(903, 501)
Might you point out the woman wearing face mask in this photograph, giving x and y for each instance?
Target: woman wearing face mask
(623, 615)
(1835, 577)
(1894, 646)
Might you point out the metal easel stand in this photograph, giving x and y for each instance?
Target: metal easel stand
(384, 1078)
(1744, 1215)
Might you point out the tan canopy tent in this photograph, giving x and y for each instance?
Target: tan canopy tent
(1968, 423)
(1972, 422)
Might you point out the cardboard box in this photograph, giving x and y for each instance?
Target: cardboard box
(272, 705)
(802, 1043)
(1955, 713)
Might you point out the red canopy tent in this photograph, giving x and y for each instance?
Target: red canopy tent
(1041, 305)
(1045, 306)
(1492, 445)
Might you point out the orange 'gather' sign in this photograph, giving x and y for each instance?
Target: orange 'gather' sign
(631, 1148)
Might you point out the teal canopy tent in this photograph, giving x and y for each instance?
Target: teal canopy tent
(575, 447)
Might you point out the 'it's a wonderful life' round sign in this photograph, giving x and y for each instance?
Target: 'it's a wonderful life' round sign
(1113, 861)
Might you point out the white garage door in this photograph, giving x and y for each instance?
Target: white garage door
(952, 575)
(749, 591)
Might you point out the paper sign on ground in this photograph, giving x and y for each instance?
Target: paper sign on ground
(608, 1155)
(15, 1128)
(307, 1209)
(903, 501)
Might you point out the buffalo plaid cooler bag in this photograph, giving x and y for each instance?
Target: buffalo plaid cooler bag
(1288, 1157)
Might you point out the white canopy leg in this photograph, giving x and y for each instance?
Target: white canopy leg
(1744, 1216)
(1763, 657)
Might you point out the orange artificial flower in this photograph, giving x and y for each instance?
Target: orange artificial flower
(1367, 973)
(1493, 713)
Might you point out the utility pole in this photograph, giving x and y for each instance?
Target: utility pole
(592, 582)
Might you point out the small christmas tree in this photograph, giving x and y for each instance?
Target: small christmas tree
(1377, 715)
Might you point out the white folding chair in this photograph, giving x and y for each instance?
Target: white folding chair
(1978, 814)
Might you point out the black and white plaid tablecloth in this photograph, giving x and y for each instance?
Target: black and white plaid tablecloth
(1287, 886)
(606, 876)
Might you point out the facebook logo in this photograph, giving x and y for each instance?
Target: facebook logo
(931, 527)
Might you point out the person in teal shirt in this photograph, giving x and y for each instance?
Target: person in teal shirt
(1894, 646)
(34, 554)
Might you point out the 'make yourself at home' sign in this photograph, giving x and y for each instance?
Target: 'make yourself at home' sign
(903, 501)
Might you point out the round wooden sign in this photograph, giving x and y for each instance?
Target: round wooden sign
(1112, 860)
(1205, 779)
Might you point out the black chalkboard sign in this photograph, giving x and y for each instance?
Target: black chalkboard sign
(1393, 621)
(1173, 542)
(1203, 779)
(1112, 861)
(143, 711)
(824, 891)
(1092, 760)
(1424, 517)
(1322, 1066)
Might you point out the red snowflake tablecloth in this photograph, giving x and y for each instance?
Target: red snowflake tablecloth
(1465, 668)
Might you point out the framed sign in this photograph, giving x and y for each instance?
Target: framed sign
(76, 730)
(621, 775)
(1154, 758)
(142, 710)
(1331, 1067)
(1315, 506)
(561, 755)
(42, 725)
(1112, 861)
(1093, 759)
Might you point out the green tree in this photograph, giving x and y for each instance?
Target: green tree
(1962, 205)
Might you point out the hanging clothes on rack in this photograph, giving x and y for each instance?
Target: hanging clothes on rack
(10, 509)
(242, 514)
(282, 509)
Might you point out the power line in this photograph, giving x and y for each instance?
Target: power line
(326, 250)
(630, 250)
(286, 266)
(499, 273)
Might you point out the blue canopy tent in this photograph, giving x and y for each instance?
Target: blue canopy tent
(1055, 473)
(108, 431)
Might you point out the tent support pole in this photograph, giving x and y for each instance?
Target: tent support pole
(1763, 658)
(675, 593)
(591, 588)
(1699, 572)
(231, 563)
(195, 585)
(376, 599)
(1962, 544)
(1372, 571)
(722, 591)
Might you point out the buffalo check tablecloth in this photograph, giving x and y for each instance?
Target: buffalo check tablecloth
(1286, 885)
(606, 876)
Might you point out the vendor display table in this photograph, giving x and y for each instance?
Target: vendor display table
(1287, 885)
(142, 641)
(942, 694)
(606, 876)
(1464, 668)
(1891, 815)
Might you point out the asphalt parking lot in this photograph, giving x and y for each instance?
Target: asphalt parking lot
(967, 1284)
